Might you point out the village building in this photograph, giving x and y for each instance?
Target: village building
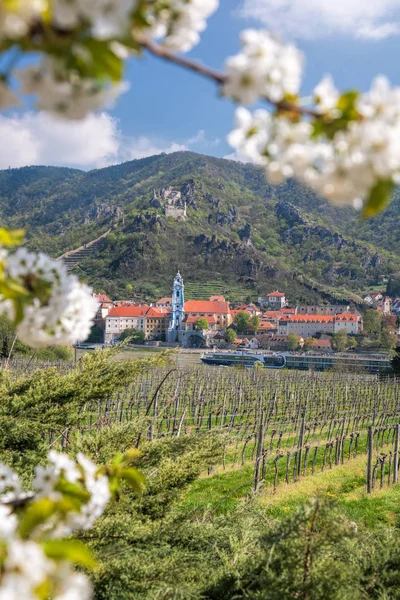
(373, 297)
(322, 309)
(310, 325)
(252, 309)
(323, 346)
(275, 300)
(104, 305)
(164, 303)
(155, 323)
(279, 343)
(190, 322)
(120, 318)
(217, 309)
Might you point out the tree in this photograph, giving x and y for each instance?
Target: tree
(340, 341)
(201, 324)
(387, 339)
(293, 341)
(137, 337)
(242, 321)
(372, 321)
(396, 361)
(393, 285)
(230, 335)
(254, 322)
(352, 343)
(96, 335)
(310, 343)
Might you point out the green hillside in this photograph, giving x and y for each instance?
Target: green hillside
(241, 235)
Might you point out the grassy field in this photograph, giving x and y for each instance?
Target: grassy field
(222, 491)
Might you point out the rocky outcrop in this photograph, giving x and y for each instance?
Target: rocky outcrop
(227, 218)
(188, 193)
(245, 232)
(290, 213)
(146, 221)
(212, 200)
(300, 230)
(103, 212)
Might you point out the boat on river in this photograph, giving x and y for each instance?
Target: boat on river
(302, 362)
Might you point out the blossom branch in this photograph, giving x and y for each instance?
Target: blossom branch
(219, 78)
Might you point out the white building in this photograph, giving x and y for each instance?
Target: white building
(275, 300)
(309, 325)
(120, 318)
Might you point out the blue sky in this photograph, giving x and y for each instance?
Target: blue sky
(169, 109)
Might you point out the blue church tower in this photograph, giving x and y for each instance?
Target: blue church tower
(177, 310)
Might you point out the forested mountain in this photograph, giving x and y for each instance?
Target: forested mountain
(240, 231)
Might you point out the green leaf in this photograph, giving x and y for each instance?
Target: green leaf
(347, 106)
(11, 289)
(71, 550)
(73, 491)
(135, 479)
(8, 237)
(36, 514)
(131, 455)
(103, 60)
(379, 197)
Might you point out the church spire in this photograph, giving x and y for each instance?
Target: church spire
(177, 309)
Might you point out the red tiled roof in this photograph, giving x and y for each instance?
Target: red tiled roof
(272, 314)
(217, 299)
(324, 343)
(128, 311)
(207, 306)
(218, 336)
(237, 310)
(319, 318)
(157, 313)
(102, 298)
(164, 301)
(346, 317)
(276, 294)
(247, 306)
(194, 319)
(308, 318)
(265, 325)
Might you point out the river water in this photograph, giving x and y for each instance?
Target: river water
(181, 359)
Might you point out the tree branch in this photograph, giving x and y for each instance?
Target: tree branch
(219, 78)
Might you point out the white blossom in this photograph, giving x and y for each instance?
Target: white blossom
(25, 568)
(61, 316)
(8, 522)
(189, 20)
(107, 18)
(343, 169)
(17, 17)
(265, 68)
(66, 93)
(9, 480)
(73, 586)
(326, 95)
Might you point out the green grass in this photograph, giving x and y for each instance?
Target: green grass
(222, 491)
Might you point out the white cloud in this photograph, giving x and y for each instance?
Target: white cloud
(372, 19)
(236, 156)
(97, 141)
(201, 138)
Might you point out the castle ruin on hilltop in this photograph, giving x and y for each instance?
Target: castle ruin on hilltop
(172, 202)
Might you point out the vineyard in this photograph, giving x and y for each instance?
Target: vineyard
(286, 425)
